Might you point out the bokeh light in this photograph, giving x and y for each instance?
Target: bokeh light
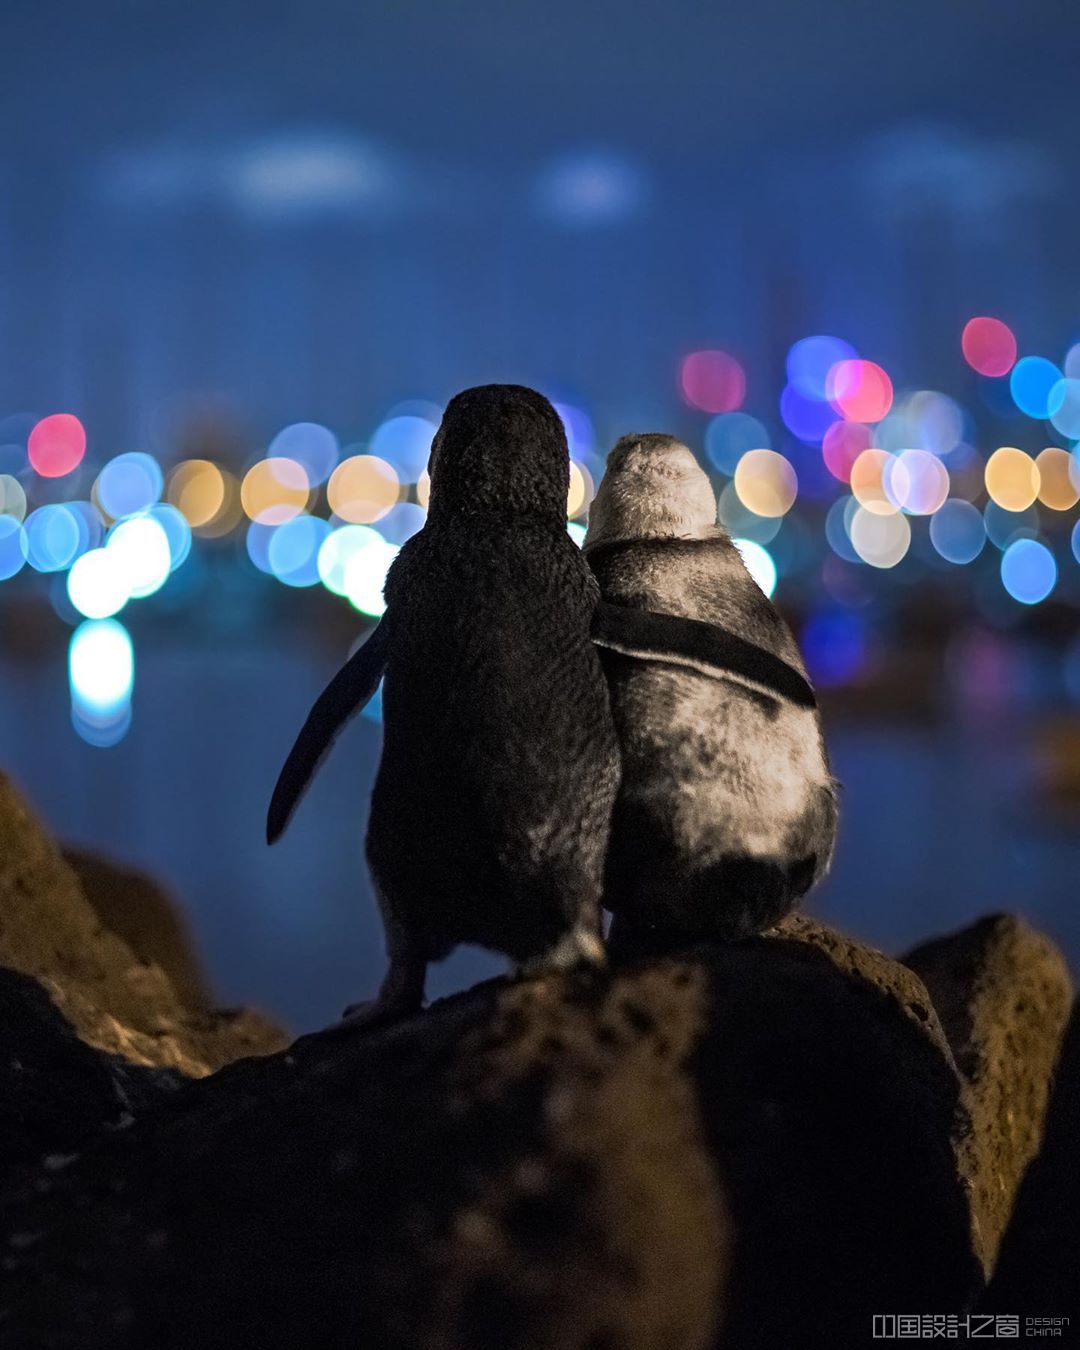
(861, 391)
(101, 674)
(257, 544)
(938, 421)
(1012, 478)
(362, 489)
(365, 576)
(1059, 483)
(274, 490)
(741, 522)
(177, 532)
(729, 436)
(580, 492)
(56, 445)
(766, 483)
(842, 445)
(868, 482)
(837, 527)
(141, 549)
(916, 481)
(580, 436)
(881, 541)
(1028, 571)
(576, 531)
(12, 547)
(293, 550)
(405, 443)
(1063, 407)
(53, 537)
(806, 418)
(759, 563)
(338, 549)
(197, 490)
(12, 497)
(96, 584)
(128, 483)
(957, 532)
(401, 522)
(712, 381)
(310, 445)
(811, 358)
(1031, 382)
(988, 345)
(1002, 526)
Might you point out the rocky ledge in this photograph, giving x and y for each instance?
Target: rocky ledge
(762, 1144)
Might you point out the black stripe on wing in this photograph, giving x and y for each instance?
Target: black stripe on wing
(692, 642)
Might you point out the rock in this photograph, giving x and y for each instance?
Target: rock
(137, 909)
(1002, 991)
(1038, 1270)
(752, 1145)
(749, 1143)
(115, 1001)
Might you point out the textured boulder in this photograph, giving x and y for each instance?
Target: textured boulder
(753, 1145)
(136, 908)
(747, 1146)
(116, 1001)
(1003, 993)
(1038, 1269)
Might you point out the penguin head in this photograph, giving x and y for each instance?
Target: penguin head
(501, 449)
(653, 488)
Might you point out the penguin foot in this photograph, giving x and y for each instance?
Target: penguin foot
(401, 993)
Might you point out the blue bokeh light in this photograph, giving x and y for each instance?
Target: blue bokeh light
(1031, 382)
(805, 417)
(293, 550)
(404, 442)
(12, 547)
(311, 445)
(129, 483)
(55, 536)
(729, 436)
(1063, 407)
(1028, 571)
(811, 358)
(958, 532)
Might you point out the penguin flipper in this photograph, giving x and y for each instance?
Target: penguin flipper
(705, 647)
(351, 688)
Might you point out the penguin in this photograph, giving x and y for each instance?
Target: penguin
(492, 804)
(727, 810)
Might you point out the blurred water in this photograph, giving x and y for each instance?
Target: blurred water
(938, 825)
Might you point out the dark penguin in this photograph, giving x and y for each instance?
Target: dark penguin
(491, 810)
(727, 811)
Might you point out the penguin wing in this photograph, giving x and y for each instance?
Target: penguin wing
(350, 689)
(705, 647)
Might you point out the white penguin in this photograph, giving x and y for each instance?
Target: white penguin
(727, 811)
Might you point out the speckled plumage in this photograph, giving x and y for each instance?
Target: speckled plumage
(490, 813)
(727, 810)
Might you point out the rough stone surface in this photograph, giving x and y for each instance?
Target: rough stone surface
(756, 1145)
(115, 1001)
(1038, 1269)
(1003, 993)
(136, 908)
(679, 1153)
